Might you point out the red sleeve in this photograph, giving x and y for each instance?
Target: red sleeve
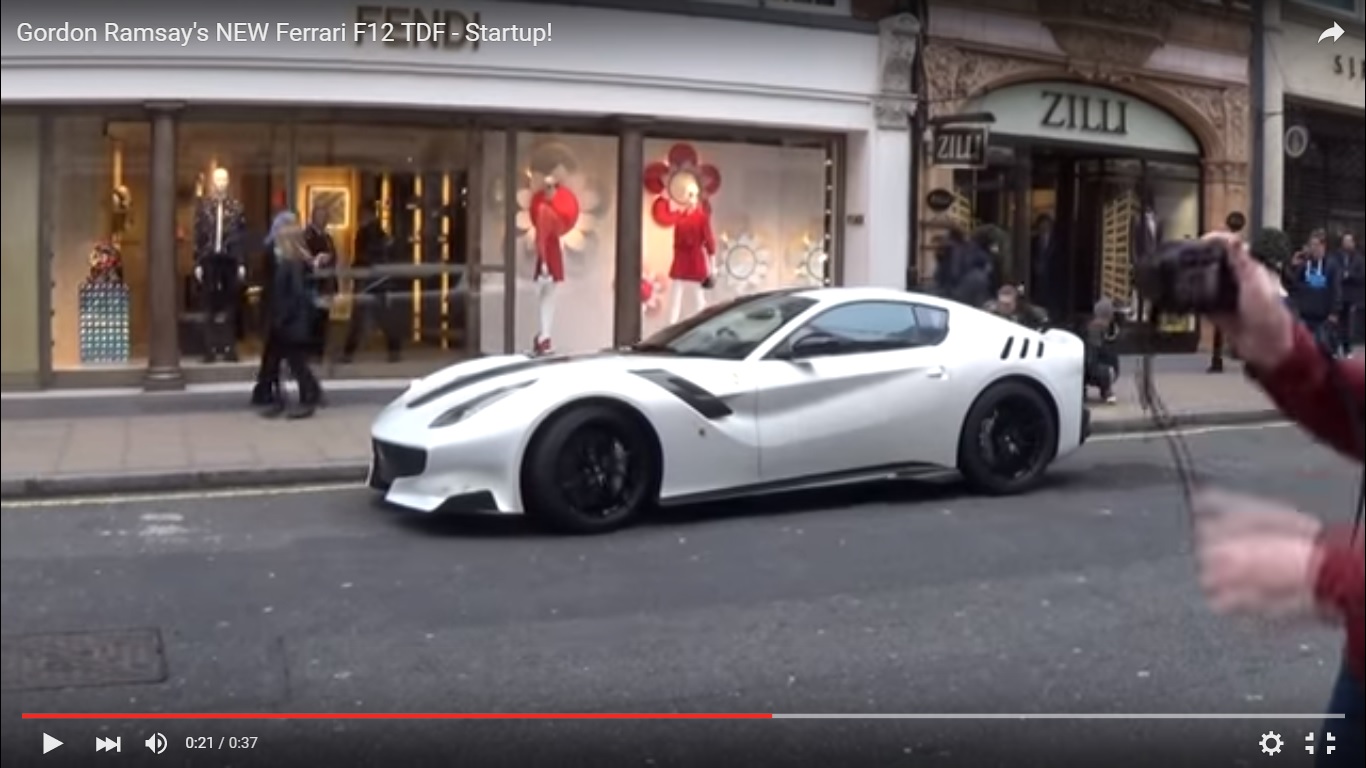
(1340, 585)
(1305, 388)
(708, 239)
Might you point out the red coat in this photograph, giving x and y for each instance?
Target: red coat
(553, 215)
(549, 249)
(1305, 388)
(694, 245)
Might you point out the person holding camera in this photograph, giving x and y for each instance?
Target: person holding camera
(1258, 557)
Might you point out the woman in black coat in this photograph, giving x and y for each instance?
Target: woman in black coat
(293, 311)
(267, 392)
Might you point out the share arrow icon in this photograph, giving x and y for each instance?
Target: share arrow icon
(1334, 32)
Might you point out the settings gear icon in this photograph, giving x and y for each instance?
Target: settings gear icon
(1271, 743)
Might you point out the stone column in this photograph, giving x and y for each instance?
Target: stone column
(1273, 136)
(163, 359)
(630, 237)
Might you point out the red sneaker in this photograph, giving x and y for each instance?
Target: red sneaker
(542, 345)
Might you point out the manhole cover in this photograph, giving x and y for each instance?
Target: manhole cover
(81, 659)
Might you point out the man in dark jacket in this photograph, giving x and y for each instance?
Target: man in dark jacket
(323, 252)
(1352, 264)
(1257, 557)
(1316, 290)
(377, 294)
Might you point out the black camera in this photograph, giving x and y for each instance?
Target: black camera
(1191, 276)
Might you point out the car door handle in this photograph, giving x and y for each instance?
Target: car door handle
(937, 372)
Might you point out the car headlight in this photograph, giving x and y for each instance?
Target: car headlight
(474, 405)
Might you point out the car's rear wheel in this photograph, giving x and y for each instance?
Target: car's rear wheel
(1009, 438)
(591, 469)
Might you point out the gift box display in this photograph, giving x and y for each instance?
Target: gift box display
(104, 309)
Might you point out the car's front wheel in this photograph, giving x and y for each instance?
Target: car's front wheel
(591, 469)
(1009, 438)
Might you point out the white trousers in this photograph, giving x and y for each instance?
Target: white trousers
(677, 289)
(545, 305)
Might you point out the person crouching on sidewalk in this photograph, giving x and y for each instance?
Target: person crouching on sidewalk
(1259, 557)
(1102, 364)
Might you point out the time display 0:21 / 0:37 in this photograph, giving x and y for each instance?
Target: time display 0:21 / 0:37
(220, 742)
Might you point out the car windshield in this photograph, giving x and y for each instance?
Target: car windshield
(729, 331)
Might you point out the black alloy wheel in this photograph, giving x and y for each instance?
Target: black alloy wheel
(1009, 438)
(591, 469)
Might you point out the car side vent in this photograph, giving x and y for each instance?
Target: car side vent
(1040, 352)
(1010, 344)
(1024, 349)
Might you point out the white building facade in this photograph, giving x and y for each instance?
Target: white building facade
(1315, 112)
(444, 126)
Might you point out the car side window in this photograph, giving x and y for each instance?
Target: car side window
(875, 326)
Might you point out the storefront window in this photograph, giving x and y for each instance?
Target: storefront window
(394, 204)
(749, 217)
(20, 308)
(565, 243)
(99, 249)
(232, 178)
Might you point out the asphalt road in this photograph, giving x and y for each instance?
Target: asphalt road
(1078, 598)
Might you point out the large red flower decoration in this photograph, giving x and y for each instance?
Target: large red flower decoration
(667, 181)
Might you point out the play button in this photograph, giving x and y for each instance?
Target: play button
(50, 743)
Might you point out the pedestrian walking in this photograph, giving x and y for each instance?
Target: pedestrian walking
(267, 393)
(293, 316)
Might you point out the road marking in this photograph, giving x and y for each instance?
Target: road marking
(299, 490)
(1189, 432)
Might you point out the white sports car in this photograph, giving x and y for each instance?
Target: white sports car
(769, 392)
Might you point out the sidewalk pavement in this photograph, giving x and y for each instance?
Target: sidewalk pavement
(185, 450)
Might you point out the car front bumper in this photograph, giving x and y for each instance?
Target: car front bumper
(440, 478)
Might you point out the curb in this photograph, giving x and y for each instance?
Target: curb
(63, 486)
(183, 481)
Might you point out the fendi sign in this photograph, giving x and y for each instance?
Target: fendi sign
(1084, 113)
(399, 26)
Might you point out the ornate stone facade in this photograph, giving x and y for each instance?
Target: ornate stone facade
(1217, 114)
(1105, 43)
(1103, 39)
(897, 42)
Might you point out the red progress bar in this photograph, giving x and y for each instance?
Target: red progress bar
(387, 716)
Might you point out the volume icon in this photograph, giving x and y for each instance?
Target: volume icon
(156, 742)
(109, 745)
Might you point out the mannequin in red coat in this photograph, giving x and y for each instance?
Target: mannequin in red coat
(552, 212)
(694, 246)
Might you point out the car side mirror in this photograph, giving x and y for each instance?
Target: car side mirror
(814, 345)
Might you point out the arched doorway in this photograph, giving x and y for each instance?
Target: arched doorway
(1082, 180)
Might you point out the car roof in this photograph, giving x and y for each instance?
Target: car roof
(844, 295)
